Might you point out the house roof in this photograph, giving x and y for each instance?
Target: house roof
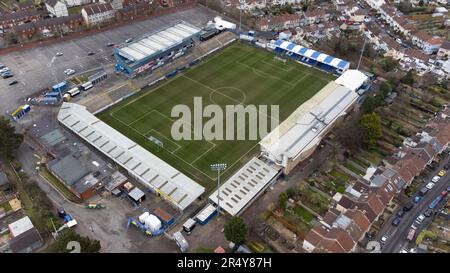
(19, 15)
(25, 240)
(3, 178)
(445, 45)
(98, 8)
(51, 3)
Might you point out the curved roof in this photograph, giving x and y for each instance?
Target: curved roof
(352, 79)
(312, 54)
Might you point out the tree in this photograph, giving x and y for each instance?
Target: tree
(370, 103)
(385, 89)
(282, 200)
(87, 245)
(350, 136)
(9, 139)
(11, 38)
(405, 7)
(408, 78)
(235, 230)
(371, 127)
(389, 64)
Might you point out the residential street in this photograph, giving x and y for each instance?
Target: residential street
(398, 235)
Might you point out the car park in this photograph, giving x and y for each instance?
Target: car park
(430, 185)
(396, 221)
(435, 179)
(13, 82)
(441, 173)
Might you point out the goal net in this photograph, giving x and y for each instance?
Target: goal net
(156, 141)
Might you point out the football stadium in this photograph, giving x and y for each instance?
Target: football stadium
(238, 74)
(136, 132)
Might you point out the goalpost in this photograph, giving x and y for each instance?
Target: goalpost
(156, 141)
(276, 58)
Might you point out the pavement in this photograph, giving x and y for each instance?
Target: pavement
(39, 67)
(397, 239)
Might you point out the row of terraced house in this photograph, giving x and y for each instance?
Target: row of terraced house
(361, 207)
(395, 19)
(29, 21)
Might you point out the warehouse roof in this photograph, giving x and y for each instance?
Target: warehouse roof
(302, 130)
(151, 171)
(241, 188)
(153, 43)
(352, 79)
(68, 169)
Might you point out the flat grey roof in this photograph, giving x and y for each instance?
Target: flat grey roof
(68, 169)
(157, 42)
(243, 186)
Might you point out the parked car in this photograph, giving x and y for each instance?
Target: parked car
(423, 191)
(13, 82)
(110, 44)
(91, 53)
(384, 239)
(128, 40)
(447, 166)
(2, 66)
(428, 213)
(430, 185)
(7, 75)
(444, 193)
(396, 221)
(441, 173)
(420, 218)
(400, 213)
(413, 226)
(417, 199)
(59, 53)
(408, 207)
(435, 179)
(69, 71)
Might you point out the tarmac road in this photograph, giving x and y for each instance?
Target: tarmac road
(398, 235)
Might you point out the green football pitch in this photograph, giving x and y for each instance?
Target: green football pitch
(237, 74)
